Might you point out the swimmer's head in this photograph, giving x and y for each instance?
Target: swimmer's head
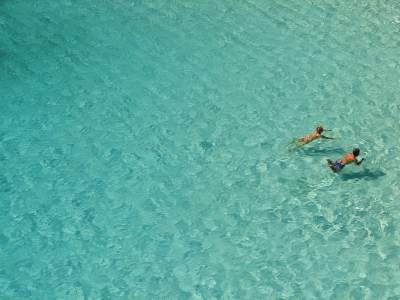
(320, 129)
(356, 152)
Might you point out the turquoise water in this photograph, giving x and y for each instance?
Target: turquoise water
(143, 149)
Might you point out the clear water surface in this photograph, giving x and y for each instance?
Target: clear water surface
(143, 149)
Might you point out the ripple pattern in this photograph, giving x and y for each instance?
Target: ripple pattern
(143, 149)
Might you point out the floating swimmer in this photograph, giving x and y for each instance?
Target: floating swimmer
(349, 158)
(317, 134)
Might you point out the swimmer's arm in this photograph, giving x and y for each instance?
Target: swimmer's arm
(327, 137)
(359, 162)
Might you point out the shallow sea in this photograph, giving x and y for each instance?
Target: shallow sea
(143, 149)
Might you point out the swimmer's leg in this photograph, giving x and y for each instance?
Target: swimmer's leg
(331, 165)
(296, 144)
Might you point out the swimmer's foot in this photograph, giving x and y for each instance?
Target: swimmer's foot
(331, 165)
(295, 145)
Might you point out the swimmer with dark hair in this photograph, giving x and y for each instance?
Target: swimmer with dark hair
(317, 134)
(349, 158)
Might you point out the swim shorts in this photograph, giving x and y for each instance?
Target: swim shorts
(339, 165)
